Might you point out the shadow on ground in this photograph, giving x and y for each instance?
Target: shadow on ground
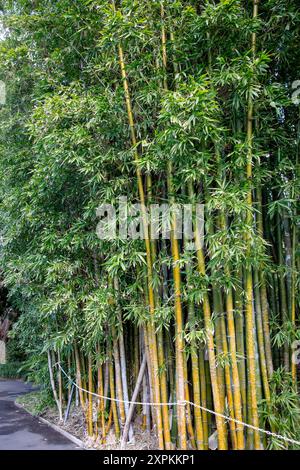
(21, 431)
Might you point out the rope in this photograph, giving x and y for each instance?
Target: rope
(183, 403)
(269, 433)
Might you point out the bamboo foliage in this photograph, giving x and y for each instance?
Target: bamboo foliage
(163, 102)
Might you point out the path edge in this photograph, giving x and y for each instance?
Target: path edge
(64, 433)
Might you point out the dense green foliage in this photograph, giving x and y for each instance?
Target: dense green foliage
(65, 148)
(12, 370)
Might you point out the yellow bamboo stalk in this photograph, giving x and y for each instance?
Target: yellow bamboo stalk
(101, 403)
(180, 381)
(189, 423)
(219, 349)
(118, 379)
(109, 421)
(179, 330)
(203, 398)
(260, 339)
(228, 382)
(197, 401)
(232, 348)
(249, 282)
(239, 306)
(90, 399)
(195, 373)
(263, 293)
(294, 241)
(113, 396)
(160, 350)
(293, 303)
(210, 340)
(153, 343)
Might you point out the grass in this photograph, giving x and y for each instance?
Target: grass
(35, 402)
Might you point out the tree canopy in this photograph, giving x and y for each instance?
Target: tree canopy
(173, 101)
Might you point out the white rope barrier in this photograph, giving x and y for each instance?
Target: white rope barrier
(183, 403)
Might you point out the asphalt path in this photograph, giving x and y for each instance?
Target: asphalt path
(21, 431)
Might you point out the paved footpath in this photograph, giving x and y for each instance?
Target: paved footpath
(21, 431)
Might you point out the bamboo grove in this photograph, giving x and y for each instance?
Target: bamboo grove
(172, 101)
